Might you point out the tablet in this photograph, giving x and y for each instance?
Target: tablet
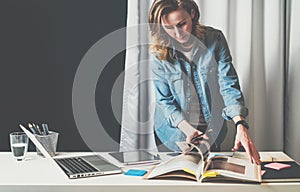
(135, 157)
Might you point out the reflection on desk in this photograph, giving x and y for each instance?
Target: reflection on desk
(40, 174)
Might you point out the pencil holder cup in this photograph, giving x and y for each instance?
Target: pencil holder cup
(49, 142)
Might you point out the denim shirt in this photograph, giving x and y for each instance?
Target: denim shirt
(215, 81)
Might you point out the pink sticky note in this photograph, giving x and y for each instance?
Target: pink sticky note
(277, 166)
(262, 172)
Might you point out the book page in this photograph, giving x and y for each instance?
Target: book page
(203, 149)
(230, 167)
(190, 164)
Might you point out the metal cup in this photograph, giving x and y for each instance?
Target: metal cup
(49, 142)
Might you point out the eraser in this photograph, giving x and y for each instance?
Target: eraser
(135, 172)
(277, 166)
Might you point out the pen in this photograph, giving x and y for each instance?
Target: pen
(32, 128)
(37, 129)
(197, 138)
(42, 131)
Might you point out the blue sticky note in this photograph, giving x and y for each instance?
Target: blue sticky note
(135, 172)
(221, 154)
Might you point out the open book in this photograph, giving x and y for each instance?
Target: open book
(193, 164)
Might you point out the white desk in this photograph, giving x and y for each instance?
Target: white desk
(40, 174)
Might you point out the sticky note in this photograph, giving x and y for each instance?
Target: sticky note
(135, 172)
(189, 171)
(210, 174)
(262, 172)
(277, 166)
(221, 154)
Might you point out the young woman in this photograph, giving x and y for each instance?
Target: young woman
(188, 60)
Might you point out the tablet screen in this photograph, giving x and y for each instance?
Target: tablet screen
(134, 157)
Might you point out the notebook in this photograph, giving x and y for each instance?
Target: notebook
(79, 166)
(291, 173)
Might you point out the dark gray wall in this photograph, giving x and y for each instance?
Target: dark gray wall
(41, 45)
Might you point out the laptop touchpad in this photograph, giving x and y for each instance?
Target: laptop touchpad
(99, 163)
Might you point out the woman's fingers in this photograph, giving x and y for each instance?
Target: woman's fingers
(252, 152)
(255, 154)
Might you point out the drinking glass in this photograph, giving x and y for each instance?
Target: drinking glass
(18, 145)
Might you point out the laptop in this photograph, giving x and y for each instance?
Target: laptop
(78, 166)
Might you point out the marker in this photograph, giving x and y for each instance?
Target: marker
(45, 129)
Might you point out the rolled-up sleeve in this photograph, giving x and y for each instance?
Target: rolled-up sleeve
(164, 98)
(229, 82)
(234, 110)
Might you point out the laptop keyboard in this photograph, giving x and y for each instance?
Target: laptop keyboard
(76, 165)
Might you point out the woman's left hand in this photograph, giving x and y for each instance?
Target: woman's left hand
(242, 138)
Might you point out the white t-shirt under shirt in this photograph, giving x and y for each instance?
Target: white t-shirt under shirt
(195, 116)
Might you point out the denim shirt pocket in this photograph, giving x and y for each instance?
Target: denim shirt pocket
(207, 70)
(176, 82)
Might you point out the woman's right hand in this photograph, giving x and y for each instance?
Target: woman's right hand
(192, 134)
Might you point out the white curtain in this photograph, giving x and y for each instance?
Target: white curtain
(256, 34)
(254, 30)
(292, 131)
(138, 96)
